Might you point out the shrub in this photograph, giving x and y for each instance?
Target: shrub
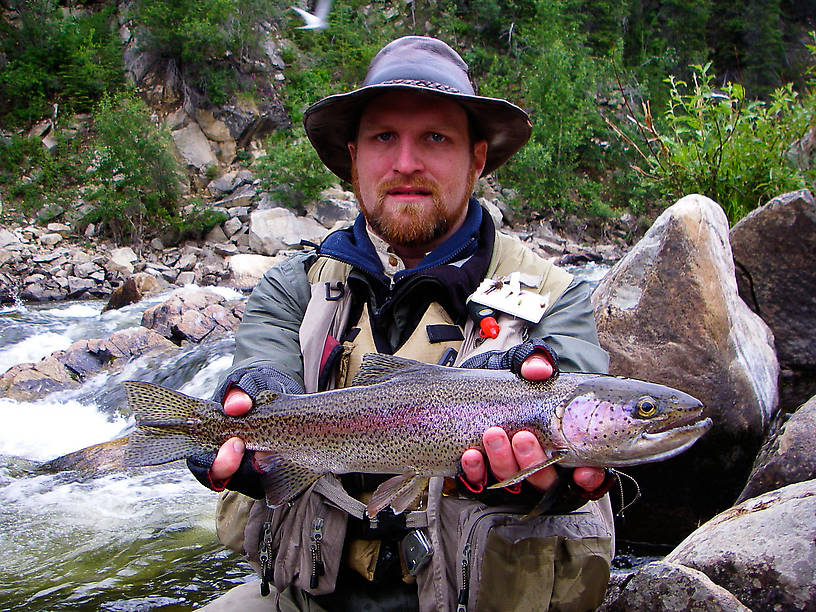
(717, 143)
(35, 179)
(53, 58)
(292, 170)
(137, 174)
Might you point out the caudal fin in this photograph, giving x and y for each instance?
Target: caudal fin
(168, 425)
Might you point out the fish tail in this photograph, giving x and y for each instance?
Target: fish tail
(169, 425)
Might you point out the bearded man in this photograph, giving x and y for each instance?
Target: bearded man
(413, 140)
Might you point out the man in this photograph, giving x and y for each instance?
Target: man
(413, 140)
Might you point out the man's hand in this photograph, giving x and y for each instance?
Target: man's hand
(506, 457)
(236, 403)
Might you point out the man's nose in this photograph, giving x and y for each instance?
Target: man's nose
(407, 159)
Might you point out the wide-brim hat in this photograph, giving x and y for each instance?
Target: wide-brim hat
(421, 64)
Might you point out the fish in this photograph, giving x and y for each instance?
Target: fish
(415, 420)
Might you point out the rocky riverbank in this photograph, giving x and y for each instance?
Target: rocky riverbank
(53, 262)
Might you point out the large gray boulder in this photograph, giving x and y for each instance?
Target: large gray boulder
(278, 228)
(761, 550)
(669, 587)
(247, 269)
(194, 147)
(788, 456)
(773, 249)
(669, 312)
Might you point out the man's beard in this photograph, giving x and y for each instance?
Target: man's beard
(413, 225)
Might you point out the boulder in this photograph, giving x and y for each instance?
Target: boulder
(247, 122)
(213, 128)
(669, 312)
(28, 381)
(7, 238)
(279, 228)
(97, 459)
(334, 205)
(194, 147)
(761, 550)
(121, 260)
(242, 196)
(193, 315)
(788, 456)
(246, 270)
(773, 250)
(668, 587)
(494, 210)
(133, 290)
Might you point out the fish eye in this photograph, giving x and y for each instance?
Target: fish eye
(646, 407)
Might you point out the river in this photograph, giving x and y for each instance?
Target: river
(122, 541)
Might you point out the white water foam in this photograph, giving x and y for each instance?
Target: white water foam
(46, 429)
(32, 349)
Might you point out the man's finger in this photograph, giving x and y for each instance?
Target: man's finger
(536, 367)
(589, 478)
(528, 452)
(236, 402)
(499, 453)
(474, 467)
(228, 459)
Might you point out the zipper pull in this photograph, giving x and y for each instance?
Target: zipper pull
(318, 569)
(264, 555)
(463, 592)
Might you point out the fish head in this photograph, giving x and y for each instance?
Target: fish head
(613, 421)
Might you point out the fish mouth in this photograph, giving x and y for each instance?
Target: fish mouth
(668, 429)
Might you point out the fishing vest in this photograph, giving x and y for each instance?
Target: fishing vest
(578, 546)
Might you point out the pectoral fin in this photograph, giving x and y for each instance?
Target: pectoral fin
(557, 456)
(397, 492)
(283, 480)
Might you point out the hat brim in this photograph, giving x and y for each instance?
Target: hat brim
(331, 124)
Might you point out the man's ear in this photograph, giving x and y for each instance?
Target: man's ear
(352, 147)
(479, 156)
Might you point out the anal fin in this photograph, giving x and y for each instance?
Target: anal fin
(516, 478)
(397, 492)
(283, 480)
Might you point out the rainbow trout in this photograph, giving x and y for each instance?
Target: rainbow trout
(415, 420)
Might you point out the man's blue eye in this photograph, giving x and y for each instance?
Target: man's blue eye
(436, 137)
(384, 137)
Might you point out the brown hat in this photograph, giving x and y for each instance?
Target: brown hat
(422, 64)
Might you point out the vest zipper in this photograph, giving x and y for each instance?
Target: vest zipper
(318, 569)
(464, 592)
(264, 555)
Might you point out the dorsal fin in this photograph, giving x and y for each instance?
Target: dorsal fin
(376, 368)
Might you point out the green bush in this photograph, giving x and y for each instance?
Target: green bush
(292, 170)
(718, 143)
(202, 36)
(51, 58)
(137, 175)
(35, 180)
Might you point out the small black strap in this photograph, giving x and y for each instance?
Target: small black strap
(444, 333)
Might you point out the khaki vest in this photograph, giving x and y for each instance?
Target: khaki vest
(579, 544)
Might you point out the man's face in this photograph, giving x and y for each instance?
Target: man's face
(414, 168)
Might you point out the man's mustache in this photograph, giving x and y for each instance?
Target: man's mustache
(419, 183)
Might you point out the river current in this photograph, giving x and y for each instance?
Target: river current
(123, 541)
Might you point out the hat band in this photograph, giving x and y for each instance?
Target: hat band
(426, 84)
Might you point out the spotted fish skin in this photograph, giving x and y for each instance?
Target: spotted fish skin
(415, 419)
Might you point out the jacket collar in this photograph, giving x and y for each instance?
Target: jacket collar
(353, 246)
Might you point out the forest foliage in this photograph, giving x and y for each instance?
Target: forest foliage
(633, 103)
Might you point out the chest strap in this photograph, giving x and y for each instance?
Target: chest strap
(332, 490)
